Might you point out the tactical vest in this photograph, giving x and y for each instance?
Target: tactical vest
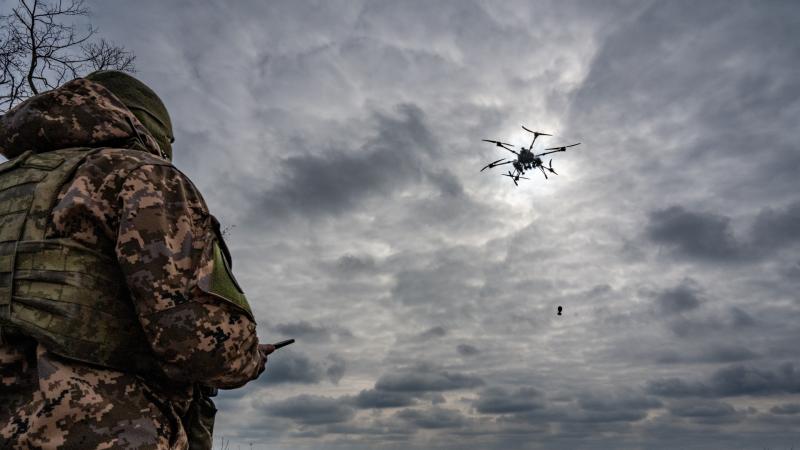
(71, 298)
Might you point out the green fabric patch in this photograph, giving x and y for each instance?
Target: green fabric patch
(222, 283)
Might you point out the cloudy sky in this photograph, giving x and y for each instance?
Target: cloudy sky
(341, 142)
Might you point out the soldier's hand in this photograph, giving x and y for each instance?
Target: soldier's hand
(264, 350)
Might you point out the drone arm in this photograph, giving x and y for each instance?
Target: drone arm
(495, 164)
(554, 151)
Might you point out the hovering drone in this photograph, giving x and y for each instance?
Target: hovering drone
(526, 159)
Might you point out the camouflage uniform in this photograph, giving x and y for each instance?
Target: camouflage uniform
(126, 201)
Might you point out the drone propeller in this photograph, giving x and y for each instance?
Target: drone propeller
(557, 149)
(497, 143)
(500, 144)
(551, 167)
(563, 148)
(494, 164)
(543, 172)
(513, 178)
(536, 134)
(547, 153)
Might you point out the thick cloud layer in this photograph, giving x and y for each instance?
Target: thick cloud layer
(342, 140)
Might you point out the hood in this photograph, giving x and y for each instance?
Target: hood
(81, 113)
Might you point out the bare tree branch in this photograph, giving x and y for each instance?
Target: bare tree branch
(42, 46)
(106, 55)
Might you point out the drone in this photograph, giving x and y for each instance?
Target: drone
(526, 159)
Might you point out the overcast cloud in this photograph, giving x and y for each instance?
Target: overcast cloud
(342, 139)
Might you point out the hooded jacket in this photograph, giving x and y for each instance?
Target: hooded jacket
(126, 202)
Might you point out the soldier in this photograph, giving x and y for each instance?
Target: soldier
(119, 315)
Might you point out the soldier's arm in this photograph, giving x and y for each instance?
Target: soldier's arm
(168, 249)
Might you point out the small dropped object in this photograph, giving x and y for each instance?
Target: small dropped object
(280, 344)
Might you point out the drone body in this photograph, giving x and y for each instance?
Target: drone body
(526, 159)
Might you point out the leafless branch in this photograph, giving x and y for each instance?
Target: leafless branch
(42, 46)
(105, 55)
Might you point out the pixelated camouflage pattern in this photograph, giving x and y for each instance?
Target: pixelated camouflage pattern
(65, 295)
(136, 207)
(61, 405)
(80, 113)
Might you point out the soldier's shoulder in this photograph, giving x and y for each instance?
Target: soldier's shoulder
(144, 170)
(141, 171)
(109, 169)
(125, 159)
(114, 165)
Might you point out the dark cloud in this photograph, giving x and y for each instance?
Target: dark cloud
(582, 414)
(424, 377)
(599, 290)
(384, 429)
(777, 228)
(337, 180)
(727, 354)
(709, 236)
(336, 368)
(435, 398)
(443, 281)
(628, 402)
(731, 381)
(311, 410)
(746, 380)
(467, 350)
(720, 353)
(590, 409)
(292, 367)
(712, 323)
(682, 298)
(432, 333)
(675, 387)
(433, 418)
(695, 327)
(706, 412)
(786, 409)
(447, 183)
(497, 400)
(355, 263)
(579, 421)
(305, 331)
(693, 234)
(375, 398)
(701, 409)
(740, 318)
(602, 416)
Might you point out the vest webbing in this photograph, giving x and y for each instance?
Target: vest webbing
(71, 298)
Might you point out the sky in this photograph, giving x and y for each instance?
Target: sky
(340, 144)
